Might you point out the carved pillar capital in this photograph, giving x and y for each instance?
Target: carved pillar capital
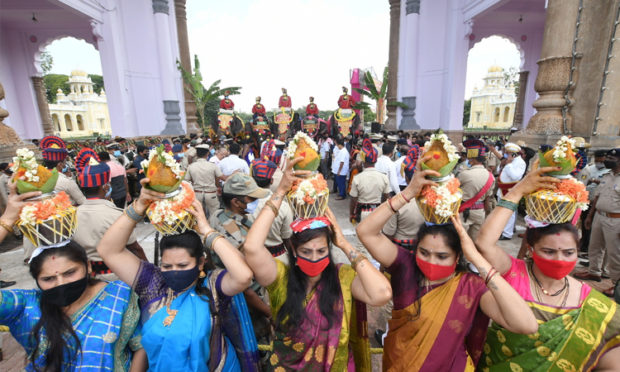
(412, 6)
(44, 111)
(160, 6)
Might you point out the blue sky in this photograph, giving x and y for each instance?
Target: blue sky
(306, 46)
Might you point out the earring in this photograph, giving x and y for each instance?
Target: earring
(202, 274)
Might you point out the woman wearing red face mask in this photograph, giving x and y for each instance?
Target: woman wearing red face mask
(316, 319)
(441, 310)
(579, 327)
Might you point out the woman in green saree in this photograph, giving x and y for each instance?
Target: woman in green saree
(318, 324)
(579, 328)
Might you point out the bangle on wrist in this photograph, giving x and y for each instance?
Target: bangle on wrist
(210, 239)
(402, 195)
(130, 212)
(389, 202)
(274, 209)
(215, 240)
(508, 204)
(490, 275)
(357, 260)
(6, 226)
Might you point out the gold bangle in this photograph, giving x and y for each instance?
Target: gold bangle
(357, 260)
(215, 240)
(270, 204)
(6, 227)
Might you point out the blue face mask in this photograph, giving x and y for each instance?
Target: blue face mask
(109, 193)
(181, 155)
(212, 151)
(65, 169)
(467, 163)
(251, 207)
(117, 153)
(179, 280)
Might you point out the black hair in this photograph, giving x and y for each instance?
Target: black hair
(59, 333)
(340, 141)
(293, 312)
(191, 242)
(532, 236)
(50, 164)
(104, 156)
(186, 140)
(262, 182)
(227, 198)
(141, 148)
(91, 192)
(600, 153)
(451, 239)
(234, 148)
(201, 153)
(3, 166)
(388, 148)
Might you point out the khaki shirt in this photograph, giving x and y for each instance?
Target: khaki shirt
(190, 153)
(69, 186)
(608, 192)
(492, 161)
(4, 191)
(405, 223)
(473, 180)
(203, 175)
(369, 186)
(281, 226)
(94, 218)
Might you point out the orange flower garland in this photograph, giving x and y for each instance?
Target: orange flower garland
(42, 210)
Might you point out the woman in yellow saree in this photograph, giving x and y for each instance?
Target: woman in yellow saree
(579, 328)
(441, 311)
(319, 325)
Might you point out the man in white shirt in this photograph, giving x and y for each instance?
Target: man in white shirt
(340, 168)
(219, 154)
(398, 165)
(386, 166)
(512, 172)
(233, 163)
(324, 146)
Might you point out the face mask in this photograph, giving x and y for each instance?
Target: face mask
(610, 164)
(65, 294)
(467, 163)
(312, 268)
(107, 194)
(117, 152)
(212, 151)
(555, 269)
(181, 155)
(433, 271)
(599, 166)
(65, 169)
(179, 280)
(251, 207)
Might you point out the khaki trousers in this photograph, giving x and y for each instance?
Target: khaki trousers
(210, 202)
(605, 241)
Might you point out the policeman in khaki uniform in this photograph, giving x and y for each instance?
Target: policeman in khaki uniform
(403, 226)
(477, 185)
(604, 218)
(204, 177)
(368, 188)
(97, 214)
(280, 232)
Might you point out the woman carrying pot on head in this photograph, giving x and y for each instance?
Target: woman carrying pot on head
(71, 322)
(185, 306)
(441, 309)
(313, 299)
(579, 327)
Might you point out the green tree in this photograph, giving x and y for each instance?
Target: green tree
(466, 112)
(47, 61)
(97, 82)
(379, 95)
(206, 99)
(511, 76)
(53, 82)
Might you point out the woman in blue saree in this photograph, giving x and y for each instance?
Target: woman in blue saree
(191, 318)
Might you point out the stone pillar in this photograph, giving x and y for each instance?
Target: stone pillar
(167, 68)
(392, 82)
(407, 89)
(44, 110)
(520, 105)
(190, 105)
(554, 69)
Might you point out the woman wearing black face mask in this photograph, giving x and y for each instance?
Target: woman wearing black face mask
(72, 322)
(312, 299)
(186, 309)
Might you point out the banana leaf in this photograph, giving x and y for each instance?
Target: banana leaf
(445, 170)
(566, 164)
(165, 189)
(24, 187)
(311, 166)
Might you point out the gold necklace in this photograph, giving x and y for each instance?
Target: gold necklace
(171, 313)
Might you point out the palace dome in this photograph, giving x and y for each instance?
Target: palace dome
(495, 68)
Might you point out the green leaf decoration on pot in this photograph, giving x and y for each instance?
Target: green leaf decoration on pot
(567, 164)
(445, 170)
(311, 161)
(24, 187)
(164, 189)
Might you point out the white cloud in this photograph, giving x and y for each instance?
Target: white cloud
(306, 46)
(494, 50)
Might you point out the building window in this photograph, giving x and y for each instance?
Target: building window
(478, 116)
(506, 112)
(80, 122)
(56, 122)
(496, 116)
(68, 123)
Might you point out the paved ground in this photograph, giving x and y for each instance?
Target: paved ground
(11, 262)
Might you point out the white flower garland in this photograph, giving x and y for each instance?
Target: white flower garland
(447, 145)
(306, 188)
(445, 200)
(292, 146)
(162, 210)
(25, 159)
(561, 148)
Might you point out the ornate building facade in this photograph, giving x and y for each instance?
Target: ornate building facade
(493, 106)
(81, 113)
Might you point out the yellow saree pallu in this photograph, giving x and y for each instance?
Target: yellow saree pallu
(572, 340)
(447, 335)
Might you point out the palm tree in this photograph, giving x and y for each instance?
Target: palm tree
(378, 94)
(203, 96)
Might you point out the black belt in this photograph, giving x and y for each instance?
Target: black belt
(408, 244)
(367, 207)
(277, 250)
(99, 268)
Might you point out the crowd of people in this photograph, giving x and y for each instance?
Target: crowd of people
(251, 272)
